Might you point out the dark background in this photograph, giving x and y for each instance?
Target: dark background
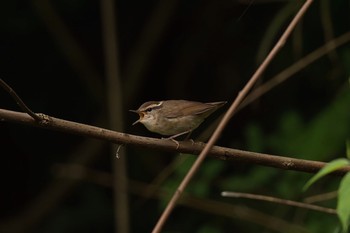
(52, 56)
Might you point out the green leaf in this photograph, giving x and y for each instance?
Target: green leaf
(348, 148)
(343, 206)
(330, 167)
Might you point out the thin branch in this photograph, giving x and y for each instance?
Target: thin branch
(19, 101)
(115, 109)
(228, 116)
(328, 31)
(321, 197)
(71, 48)
(162, 177)
(79, 172)
(142, 53)
(296, 67)
(222, 153)
(279, 201)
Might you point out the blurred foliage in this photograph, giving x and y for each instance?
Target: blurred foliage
(343, 206)
(343, 203)
(329, 168)
(52, 55)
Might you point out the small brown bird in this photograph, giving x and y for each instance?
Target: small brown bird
(174, 117)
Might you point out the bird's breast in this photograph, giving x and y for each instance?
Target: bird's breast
(172, 126)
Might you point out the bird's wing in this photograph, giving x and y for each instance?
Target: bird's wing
(193, 108)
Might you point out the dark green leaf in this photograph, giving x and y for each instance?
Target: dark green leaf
(330, 167)
(343, 207)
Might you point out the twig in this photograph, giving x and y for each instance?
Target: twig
(117, 155)
(279, 201)
(227, 117)
(296, 67)
(141, 54)
(222, 153)
(71, 48)
(206, 205)
(115, 112)
(321, 197)
(162, 176)
(19, 101)
(326, 22)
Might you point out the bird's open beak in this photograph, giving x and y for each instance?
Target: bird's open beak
(140, 114)
(136, 122)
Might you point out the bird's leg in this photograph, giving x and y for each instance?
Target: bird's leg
(176, 142)
(188, 138)
(177, 135)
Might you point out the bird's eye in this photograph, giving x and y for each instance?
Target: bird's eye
(149, 109)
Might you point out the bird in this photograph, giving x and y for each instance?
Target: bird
(174, 118)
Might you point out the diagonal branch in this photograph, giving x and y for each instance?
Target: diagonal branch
(296, 67)
(279, 201)
(19, 101)
(222, 153)
(241, 95)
